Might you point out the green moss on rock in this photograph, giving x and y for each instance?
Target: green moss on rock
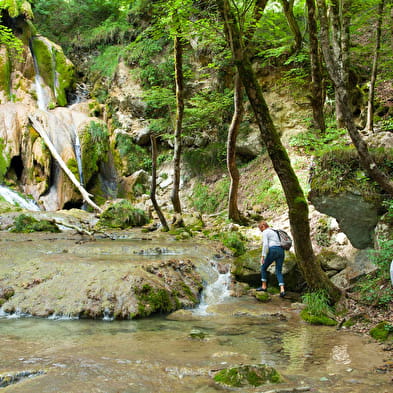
(122, 215)
(28, 224)
(382, 332)
(5, 71)
(152, 300)
(254, 375)
(317, 319)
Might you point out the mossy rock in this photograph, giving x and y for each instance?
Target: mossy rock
(122, 215)
(382, 332)
(317, 319)
(5, 71)
(263, 297)
(28, 224)
(248, 375)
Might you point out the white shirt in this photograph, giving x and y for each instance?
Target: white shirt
(269, 239)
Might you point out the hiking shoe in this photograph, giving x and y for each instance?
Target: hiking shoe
(282, 294)
(260, 289)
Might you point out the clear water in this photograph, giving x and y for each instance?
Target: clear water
(158, 354)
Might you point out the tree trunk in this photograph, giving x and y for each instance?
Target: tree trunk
(337, 63)
(297, 204)
(153, 187)
(317, 88)
(288, 11)
(178, 55)
(233, 210)
(371, 93)
(86, 196)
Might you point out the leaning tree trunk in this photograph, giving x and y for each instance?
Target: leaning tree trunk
(233, 210)
(153, 187)
(371, 93)
(86, 196)
(178, 54)
(297, 204)
(336, 56)
(317, 88)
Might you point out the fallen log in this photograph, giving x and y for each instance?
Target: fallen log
(39, 128)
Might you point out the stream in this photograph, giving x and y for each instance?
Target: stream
(180, 352)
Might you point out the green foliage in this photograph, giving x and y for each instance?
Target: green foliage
(202, 160)
(382, 332)
(17, 7)
(122, 215)
(235, 241)
(254, 375)
(313, 142)
(94, 143)
(208, 200)
(28, 224)
(207, 109)
(317, 310)
(339, 170)
(106, 62)
(153, 300)
(375, 288)
(134, 156)
(12, 43)
(267, 195)
(4, 161)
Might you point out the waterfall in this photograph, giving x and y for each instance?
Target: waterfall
(78, 154)
(43, 98)
(15, 199)
(215, 291)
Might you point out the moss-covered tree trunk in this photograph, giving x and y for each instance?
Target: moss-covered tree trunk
(153, 186)
(317, 88)
(336, 55)
(287, 6)
(374, 70)
(297, 204)
(178, 55)
(233, 209)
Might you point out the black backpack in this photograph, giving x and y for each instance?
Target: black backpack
(285, 239)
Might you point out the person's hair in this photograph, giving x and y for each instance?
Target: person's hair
(263, 224)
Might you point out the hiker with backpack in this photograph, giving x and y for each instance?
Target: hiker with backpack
(273, 248)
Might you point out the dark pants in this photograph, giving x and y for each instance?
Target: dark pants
(275, 254)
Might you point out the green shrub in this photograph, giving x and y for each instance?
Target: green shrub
(28, 224)
(122, 215)
(208, 200)
(375, 288)
(317, 310)
(235, 241)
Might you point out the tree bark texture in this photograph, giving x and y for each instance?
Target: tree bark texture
(297, 204)
(86, 196)
(153, 186)
(178, 55)
(292, 23)
(374, 70)
(337, 64)
(317, 88)
(233, 210)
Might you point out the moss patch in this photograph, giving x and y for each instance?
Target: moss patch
(382, 332)
(317, 319)
(27, 224)
(254, 375)
(122, 215)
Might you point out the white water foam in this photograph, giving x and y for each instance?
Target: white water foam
(15, 199)
(215, 292)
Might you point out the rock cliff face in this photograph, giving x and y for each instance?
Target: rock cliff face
(38, 84)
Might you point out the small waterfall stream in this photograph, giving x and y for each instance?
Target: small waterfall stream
(15, 199)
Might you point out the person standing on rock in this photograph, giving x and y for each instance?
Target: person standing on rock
(271, 252)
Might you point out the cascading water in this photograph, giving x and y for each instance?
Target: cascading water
(215, 291)
(43, 98)
(15, 199)
(78, 154)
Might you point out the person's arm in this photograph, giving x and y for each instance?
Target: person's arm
(265, 246)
